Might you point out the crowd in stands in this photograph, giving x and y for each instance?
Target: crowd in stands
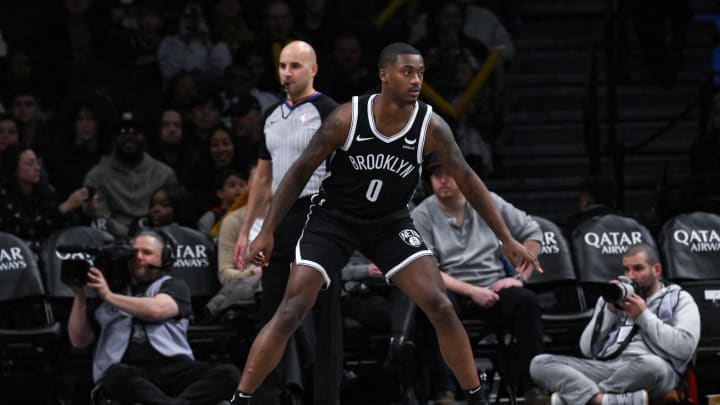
(129, 115)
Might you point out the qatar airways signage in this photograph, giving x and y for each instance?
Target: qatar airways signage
(12, 259)
(191, 256)
(698, 240)
(549, 244)
(612, 243)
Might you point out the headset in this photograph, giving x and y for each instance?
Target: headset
(169, 245)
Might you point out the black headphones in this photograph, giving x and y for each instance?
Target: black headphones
(169, 245)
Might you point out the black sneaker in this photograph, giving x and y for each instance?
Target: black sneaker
(477, 397)
(238, 400)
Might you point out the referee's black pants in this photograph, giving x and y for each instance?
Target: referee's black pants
(326, 318)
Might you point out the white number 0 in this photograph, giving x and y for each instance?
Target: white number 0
(373, 191)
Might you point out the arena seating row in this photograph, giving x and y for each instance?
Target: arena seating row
(35, 302)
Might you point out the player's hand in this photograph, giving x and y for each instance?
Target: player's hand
(505, 282)
(239, 250)
(484, 297)
(260, 249)
(523, 259)
(633, 305)
(97, 281)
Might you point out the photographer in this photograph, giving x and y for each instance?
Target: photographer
(142, 353)
(637, 347)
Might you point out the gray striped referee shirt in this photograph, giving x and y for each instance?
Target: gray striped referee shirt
(287, 131)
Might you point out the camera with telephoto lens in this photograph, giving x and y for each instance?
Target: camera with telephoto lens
(614, 292)
(111, 259)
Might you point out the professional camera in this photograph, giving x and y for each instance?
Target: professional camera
(614, 292)
(111, 259)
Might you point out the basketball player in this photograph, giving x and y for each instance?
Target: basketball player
(375, 146)
(287, 129)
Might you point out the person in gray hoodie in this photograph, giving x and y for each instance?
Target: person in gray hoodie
(126, 178)
(637, 347)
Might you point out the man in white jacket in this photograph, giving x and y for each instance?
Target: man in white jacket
(637, 347)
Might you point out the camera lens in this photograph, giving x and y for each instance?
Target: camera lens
(612, 292)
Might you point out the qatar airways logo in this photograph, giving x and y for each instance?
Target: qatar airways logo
(191, 256)
(12, 259)
(549, 244)
(612, 243)
(698, 240)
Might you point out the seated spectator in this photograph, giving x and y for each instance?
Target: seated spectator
(192, 49)
(25, 108)
(238, 83)
(126, 178)
(446, 44)
(169, 204)
(230, 23)
(636, 348)
(239, 286)
(229, 184)
(30, 209)
(246, 120)
(480, 23)
(220, 154)
(170, 145)
(204, 118)
(470, 258)
(142, 354)
(597, 197)
(180, 93)
(9, 133)
(346, 76)
(82, 141)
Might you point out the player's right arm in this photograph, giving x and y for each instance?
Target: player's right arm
(331, 135)
(258, 200)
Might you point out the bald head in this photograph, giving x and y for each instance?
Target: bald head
(297, 68)
(300, 50)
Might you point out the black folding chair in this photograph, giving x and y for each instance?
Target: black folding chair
(564, 311)
(690, 246)
(598, 246)
(29, 335)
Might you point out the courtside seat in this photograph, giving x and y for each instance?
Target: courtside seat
(598, 246)
(690, 246)
(29, 336)
(564, 312)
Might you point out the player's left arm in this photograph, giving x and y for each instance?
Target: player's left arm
(441, 141)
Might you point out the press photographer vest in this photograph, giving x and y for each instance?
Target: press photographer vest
(168, 337)
(665, 312)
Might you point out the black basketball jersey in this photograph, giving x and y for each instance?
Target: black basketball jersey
(373, 175)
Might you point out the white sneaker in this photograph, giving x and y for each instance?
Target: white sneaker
(628, 398)
(556, 400)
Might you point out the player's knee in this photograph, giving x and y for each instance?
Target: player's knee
(289, 317)
(439, 308)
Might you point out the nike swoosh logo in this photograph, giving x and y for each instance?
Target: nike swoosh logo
(361, 139)
(410, 141)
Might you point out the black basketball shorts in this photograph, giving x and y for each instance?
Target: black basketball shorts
(328, 240)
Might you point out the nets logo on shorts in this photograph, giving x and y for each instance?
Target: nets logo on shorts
(411, 237)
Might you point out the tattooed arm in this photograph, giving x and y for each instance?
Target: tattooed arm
(330, 136)
(441, 141)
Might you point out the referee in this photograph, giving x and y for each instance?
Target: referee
(287, 129)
